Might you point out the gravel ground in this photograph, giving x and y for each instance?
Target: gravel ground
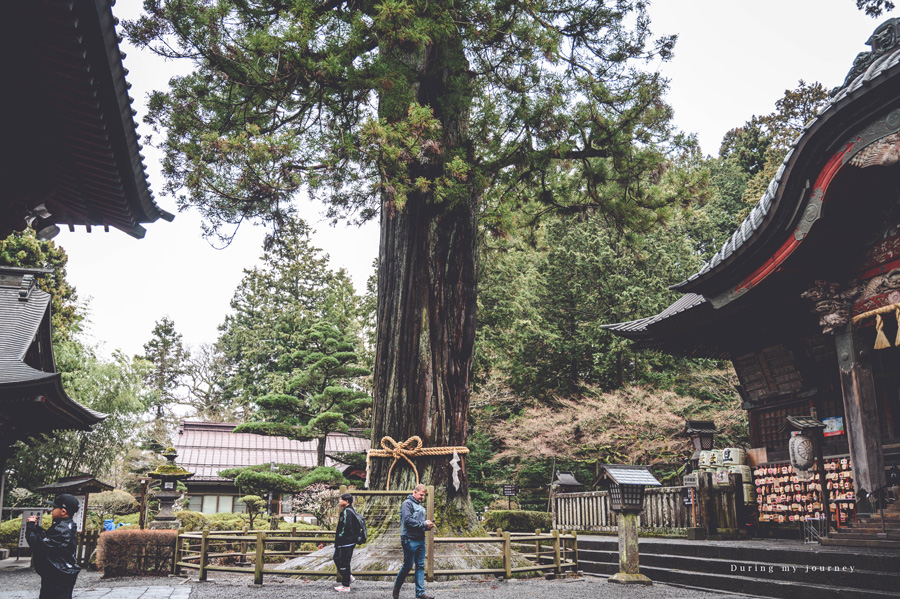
(226, 586)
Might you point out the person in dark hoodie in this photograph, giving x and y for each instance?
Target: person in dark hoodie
(345, 537)
(54, 549)
(412, 536)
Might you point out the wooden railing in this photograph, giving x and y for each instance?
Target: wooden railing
(713, 510)
(664, 512)
(198, 550)
(86, 544)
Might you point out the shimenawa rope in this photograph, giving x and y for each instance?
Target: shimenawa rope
(410, 448)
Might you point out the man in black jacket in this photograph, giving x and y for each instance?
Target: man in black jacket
(54, 549)
(345, 537)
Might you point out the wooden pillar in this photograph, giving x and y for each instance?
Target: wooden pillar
(260, 557)
(507, 555)
(176, 559)
(629, 566)
(429, 535)
(860, 412)
(204, 555)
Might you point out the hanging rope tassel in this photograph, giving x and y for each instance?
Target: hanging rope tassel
(897, 316)
(881, 340)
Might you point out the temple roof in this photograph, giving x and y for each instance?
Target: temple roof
(75, 485)
(205, 448)
(863, 111)
(71, 145)
(32, 400)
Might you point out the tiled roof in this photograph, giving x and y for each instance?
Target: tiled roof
(24, 324)
(877, 68)
(71, 484)
(206, 448)
(870, 69)
(685, 302)
(631, 475)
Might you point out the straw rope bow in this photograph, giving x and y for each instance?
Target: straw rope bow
(412, 447)
(881, 340)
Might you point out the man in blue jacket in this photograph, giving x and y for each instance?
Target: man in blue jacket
(412, 536)
(54, 549)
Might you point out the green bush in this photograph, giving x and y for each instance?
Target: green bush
(9, 531)
(191, 521)
(518, 520)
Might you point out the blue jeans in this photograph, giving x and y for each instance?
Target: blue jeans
(413, 551)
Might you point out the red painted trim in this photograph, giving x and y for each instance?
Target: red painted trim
(781, 254)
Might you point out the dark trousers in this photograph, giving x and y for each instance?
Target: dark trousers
(342, 557)
(54, 589)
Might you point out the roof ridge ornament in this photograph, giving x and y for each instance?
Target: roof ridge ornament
(885, 37)
(26, 286)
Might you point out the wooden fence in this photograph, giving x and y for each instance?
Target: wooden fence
(201, 550)
(664, 512)
(713, 510)
(86, 544)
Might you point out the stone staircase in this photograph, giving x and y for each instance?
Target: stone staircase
(867, 531)
(767, 568)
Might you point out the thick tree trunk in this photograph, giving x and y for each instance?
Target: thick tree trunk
(426, 288)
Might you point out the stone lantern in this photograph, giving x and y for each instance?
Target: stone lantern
(626, 498)
(168, 475)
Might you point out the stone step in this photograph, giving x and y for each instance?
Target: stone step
(873, 543)
(865, 534)
(748, 551)
(834, 574)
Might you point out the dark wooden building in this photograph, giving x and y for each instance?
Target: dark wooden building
(70, 157)
(791, 298)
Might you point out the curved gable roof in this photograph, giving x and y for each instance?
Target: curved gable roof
(864, 109)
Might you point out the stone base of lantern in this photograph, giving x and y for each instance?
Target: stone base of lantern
(623, 578)
(165, 525)
(629, 572)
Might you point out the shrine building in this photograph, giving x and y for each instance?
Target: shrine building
(804, 298)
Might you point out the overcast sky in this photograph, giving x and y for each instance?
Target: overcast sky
(733, 59)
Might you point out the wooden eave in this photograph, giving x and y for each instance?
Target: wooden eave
(71, 142)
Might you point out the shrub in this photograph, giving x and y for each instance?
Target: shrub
(9, 531)
(127, 552)
(113, 503)
(191, 521)
(518, 520)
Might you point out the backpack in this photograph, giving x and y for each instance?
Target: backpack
(363, 534)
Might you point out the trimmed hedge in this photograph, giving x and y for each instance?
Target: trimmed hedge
(127, 552)
(518, 520)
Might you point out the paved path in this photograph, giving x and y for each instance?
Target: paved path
(135, 592)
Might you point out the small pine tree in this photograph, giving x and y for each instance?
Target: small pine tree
(323, 396)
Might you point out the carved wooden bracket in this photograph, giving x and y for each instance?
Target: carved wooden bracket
(832, 303)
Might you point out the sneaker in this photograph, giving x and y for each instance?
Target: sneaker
(424, 597)
(342, 589)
